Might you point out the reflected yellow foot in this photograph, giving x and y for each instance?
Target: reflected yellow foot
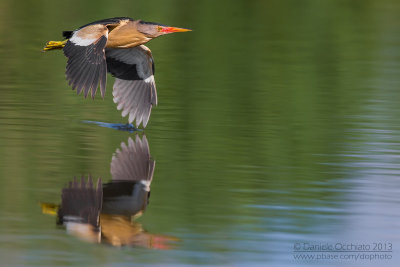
(49, 208)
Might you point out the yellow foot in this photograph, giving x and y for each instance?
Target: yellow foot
(50, 45)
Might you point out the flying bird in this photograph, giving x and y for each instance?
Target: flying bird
(114, 45)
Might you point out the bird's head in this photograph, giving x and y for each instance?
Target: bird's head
(153, 30)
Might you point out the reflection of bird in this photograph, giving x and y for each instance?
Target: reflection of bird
(104, 213)
(114, 45)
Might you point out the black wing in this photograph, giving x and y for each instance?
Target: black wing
(81, 202)
(86, 66)
(134, 89)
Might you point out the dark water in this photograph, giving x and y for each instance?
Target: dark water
(278, 126)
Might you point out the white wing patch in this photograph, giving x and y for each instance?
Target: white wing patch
(149, 79)
(89, 34)
(81, 41)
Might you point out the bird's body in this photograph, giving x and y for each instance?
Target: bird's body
(114, 45)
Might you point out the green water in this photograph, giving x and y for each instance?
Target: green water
(278, 122)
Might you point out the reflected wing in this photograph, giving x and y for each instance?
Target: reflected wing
(134, 88)
(86, 65)
(81, 203)
(133, 162)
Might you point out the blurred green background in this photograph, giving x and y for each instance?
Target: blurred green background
(278, 121)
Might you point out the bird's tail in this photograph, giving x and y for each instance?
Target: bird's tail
(51, 45)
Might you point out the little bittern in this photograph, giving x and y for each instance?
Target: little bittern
(114, 45)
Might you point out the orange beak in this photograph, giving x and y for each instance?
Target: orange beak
(166, 29)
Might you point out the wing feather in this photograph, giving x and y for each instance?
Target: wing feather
(86, 65)
(81, 201)
(134, 89)
(133, 161)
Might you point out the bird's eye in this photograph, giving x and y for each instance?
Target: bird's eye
(159, 28)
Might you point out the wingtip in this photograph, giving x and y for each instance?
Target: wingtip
(144, 123)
